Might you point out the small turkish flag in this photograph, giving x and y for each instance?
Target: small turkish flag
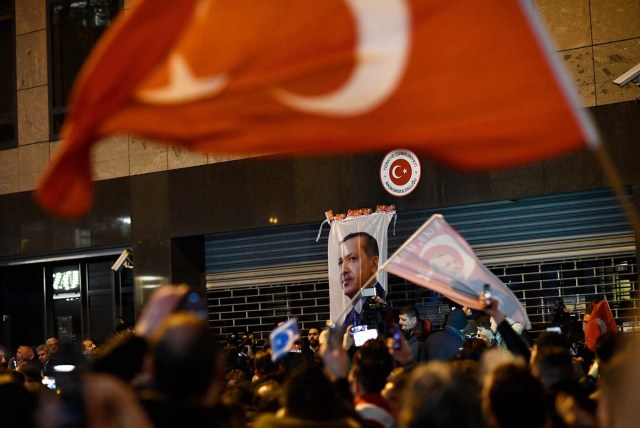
(600, 322)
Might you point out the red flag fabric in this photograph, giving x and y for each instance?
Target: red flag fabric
(465, 82)
(600, 322)
(438, 258)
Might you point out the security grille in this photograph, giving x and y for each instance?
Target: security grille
(549, 250)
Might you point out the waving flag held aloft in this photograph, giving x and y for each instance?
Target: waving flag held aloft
(600, 322)
(470, 83)
(438, 258)
(283, 337)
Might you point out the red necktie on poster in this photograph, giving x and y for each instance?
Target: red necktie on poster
(464, 82)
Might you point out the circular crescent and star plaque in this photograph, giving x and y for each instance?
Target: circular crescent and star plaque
(400, 172)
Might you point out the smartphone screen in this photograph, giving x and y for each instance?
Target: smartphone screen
(361, 333)
(194, 303)
(49, 382)
(397, 333)
(486, 295)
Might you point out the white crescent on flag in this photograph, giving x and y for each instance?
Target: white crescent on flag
(438, 258)
(283, 337)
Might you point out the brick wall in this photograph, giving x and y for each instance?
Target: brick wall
(260, 308)
(538, 285)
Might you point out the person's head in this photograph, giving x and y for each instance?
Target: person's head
(24, 353)
(263, 363)
(248, 338)
(472, 349)
(483, 324)
(508, 396)
(358, 261)
(394, 388)
(43, 353)
(439, 396)
(268, 397)
(89, 349)
(408, 318)
(548, 339)
(618, 403)
(185, 359)
(607, 346)
(311, 396)
(372, 364)
(52, 344)
(585, 322)
(552, 365)
(457, 319)
(313, 336)
(122, 326)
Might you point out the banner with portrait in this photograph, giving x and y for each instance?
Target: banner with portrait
(438, 258)
(351, 264)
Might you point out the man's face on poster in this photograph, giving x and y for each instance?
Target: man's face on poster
(356, 266)
(448, 265)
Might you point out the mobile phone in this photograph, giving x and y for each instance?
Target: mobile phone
(49, 382)
(194, 303)
(362, 333)
(554, 330)
(486, 295)
(397, 333)
(369, 292)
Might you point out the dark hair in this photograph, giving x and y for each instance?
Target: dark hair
(608, 345)
(439, 396)
(553, 364)
(372, 364)
(370, 244)
(472, 349)
(263, 363)
(122, 325)
(512, 394)
(409, 311)
(314, 327)
(549, 339)
(484, 321)
(311, 396)
(185, 357)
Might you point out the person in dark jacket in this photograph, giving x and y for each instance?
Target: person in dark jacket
(414, 332)
(445, 344)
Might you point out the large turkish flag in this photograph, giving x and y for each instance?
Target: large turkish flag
(465, 82)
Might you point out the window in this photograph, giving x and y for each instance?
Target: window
(8, 135)
(74, 27)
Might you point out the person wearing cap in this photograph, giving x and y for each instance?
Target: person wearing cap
(443, 345)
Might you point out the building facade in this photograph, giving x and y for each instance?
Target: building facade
(205, 219)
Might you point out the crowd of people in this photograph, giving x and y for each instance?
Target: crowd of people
(170, 371)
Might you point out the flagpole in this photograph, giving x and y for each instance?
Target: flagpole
(612, 175)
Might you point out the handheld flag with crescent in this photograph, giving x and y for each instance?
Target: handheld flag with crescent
(283, 337)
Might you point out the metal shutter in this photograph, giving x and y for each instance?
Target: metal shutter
(528, 229)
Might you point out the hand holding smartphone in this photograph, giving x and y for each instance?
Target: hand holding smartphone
(362, 333)
(486, 295)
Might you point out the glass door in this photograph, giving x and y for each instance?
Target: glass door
(67, 304)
